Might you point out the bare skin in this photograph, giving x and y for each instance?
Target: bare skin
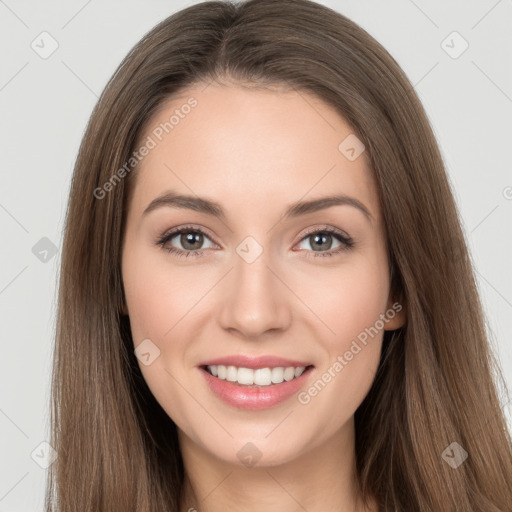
(255, 152)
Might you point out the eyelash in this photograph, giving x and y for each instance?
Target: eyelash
(346, 241)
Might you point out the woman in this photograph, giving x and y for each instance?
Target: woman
(210, 353)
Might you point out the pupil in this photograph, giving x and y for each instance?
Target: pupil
(322, 238)
(191, 238)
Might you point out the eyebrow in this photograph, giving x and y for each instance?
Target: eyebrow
(203, 205)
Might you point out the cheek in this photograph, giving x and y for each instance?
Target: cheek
(362, 298)
(351, 311)
(159, 311)
(347, 300)
(157, 298)
(164, 305)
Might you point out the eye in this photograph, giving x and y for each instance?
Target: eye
(190, 239)
(322, 239)
(190, 242)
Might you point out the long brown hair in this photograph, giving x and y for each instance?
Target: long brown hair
(117, 448)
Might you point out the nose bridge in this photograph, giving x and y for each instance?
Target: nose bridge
(255, 300)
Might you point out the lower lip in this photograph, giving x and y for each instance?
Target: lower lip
(254, 398)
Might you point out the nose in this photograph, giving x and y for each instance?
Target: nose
(254, 300)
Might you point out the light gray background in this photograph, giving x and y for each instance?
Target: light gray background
(45, 104)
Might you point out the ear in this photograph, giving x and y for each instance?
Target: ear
(396, 309)
(396, 314)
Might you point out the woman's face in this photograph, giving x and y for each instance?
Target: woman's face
(255, 281)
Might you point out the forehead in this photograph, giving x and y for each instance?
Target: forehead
(251, 148)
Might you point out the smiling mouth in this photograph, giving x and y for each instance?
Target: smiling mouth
(259, 377)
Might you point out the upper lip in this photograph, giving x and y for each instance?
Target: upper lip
(244, 361)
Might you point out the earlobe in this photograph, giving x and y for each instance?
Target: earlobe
(396, 310)
(396, 315)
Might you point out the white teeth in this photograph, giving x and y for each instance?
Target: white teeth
(260, 376)
(245, 376)
(231, 373)
(289, 373)
(277, 375)
(221, 371)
